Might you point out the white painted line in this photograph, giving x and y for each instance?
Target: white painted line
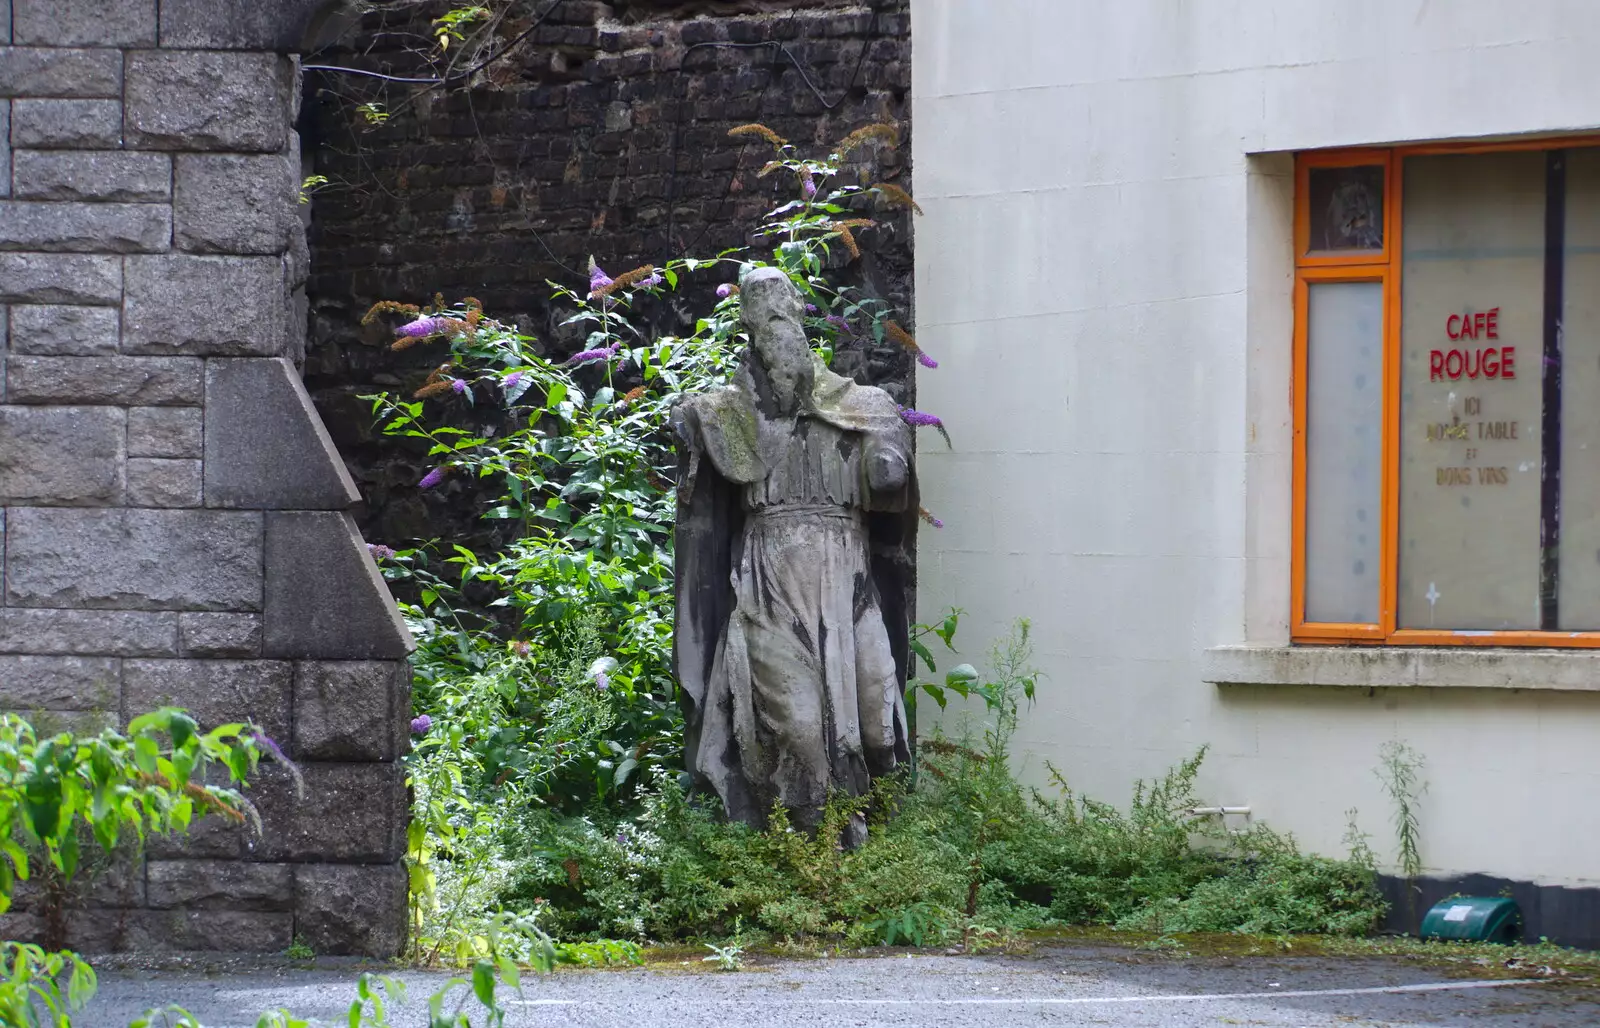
(1197, 997)
(1210, 997)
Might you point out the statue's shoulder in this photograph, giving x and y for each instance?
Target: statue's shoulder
(855, 407)
(864, 399)
(721, 405)
(723, 423)
(710, 399)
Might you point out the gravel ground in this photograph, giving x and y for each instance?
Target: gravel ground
(1069, 985)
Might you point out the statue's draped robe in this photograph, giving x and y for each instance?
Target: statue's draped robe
(792, 589)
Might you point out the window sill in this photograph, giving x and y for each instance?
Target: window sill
(1401, 667)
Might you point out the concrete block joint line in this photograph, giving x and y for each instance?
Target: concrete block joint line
(176, 523)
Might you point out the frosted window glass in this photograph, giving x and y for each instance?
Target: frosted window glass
(1578, 606)
(1344, 424)
(1472, 288)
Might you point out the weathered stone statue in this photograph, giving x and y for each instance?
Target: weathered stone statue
(796, 506)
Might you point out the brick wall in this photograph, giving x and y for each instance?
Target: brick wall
(175, 518)
(603, 133)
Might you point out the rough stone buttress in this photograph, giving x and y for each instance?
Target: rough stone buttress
(176, 520)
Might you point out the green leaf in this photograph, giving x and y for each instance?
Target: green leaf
(555, 394)
(18, 857)
(483, 983)
(42, 802)
(182, 728)
(144, 722)
(508, 971)
(921, 650)
(239, 762)
(69, 854)
(105, 832)
(961, 674)
(183, 766)
(101, 764)
(517, 391)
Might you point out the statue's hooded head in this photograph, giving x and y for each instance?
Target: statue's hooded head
(772, 312)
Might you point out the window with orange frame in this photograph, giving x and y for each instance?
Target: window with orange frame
(1447, 395)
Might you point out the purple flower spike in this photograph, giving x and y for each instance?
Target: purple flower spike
(811, 308)
(511, 380)
(379, 551)
(926, 361)
(725, 290)
(602, 681)
(652, 280)
(458, 386)
(839, 323)
(598, 279)
(271, 747)
(916, 417)
(420, 724)
(604, 353)
(431, 479)
(421, 327)
(936, 523)
(808, 185)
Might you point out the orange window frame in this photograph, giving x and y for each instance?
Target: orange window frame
(1383, 266)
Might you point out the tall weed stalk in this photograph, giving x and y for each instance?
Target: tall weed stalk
(1400, 772)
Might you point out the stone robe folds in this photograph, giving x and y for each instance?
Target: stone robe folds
(793, 577)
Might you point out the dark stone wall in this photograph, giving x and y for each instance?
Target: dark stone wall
(603, 133)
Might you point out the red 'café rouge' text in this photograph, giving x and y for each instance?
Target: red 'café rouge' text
(1482, 362)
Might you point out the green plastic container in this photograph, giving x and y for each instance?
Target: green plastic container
(1476, 918)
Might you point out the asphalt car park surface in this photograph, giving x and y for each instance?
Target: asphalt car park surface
(1054, 985)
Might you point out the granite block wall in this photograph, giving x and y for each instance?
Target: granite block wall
(176, 522)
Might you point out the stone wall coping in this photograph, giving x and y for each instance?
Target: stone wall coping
(1401, 667)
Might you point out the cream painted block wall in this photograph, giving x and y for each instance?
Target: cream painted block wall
(1104, 272)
